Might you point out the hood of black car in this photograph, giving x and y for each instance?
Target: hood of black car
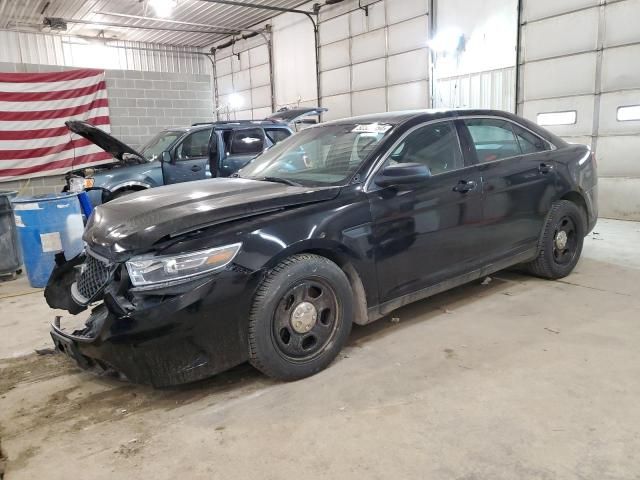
(102, 139)
(136, 222)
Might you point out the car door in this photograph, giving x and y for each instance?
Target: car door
(425, 233)
(243, 145)
(518, 179)
(189, 159)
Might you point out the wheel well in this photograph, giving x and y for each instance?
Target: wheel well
(133, 188)
(578, 199)
(359, 295)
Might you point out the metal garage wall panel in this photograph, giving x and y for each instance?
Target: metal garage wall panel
(566, 37)
(261, 97)
(409, 66)
(259, 55)
(262, 113)
(621, 68)
(618, 198)
(618, 156)
(336, 81)
(573, 75)
(578, 140)
(334, 55)
(399, 10)
(621, 25)
(339, 106)
(369, 75)
(408, 35)
(368, 46)
(242, 80)
(369, 101)
(244, 60)
(244, 115)
(334, 30)
(583, 105)
(361, 23)
(223, 66)
(409, 96)
(225, 85)
(260, 76)
(536, 9)
(609, 124)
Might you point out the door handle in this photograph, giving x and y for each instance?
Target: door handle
(465, 186)
(196, 168)
(545, 168)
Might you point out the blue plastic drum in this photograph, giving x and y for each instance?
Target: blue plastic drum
(47, 224)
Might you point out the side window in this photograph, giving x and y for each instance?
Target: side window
(277, 134)
(435, 145)
(247, 141)
(529, 143)
(196, 145)
(493, 139)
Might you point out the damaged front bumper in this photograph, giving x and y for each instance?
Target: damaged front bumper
(163, 337)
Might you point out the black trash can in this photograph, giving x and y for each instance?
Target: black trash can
(10, 256)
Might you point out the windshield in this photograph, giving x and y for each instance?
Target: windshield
(159, 144)
(325, 155)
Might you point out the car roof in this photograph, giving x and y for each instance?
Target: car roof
(227, 125)
(396, 118)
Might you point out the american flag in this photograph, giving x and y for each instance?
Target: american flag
(34, 141)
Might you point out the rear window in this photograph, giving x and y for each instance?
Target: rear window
(277, 134)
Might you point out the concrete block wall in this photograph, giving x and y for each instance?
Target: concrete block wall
(140, 105)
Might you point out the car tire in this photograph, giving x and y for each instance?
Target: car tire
(561, 242)
(300, 318)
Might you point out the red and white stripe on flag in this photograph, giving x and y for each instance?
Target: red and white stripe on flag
(34, 140)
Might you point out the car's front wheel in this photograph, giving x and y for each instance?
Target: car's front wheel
(300, 318)
(561, 242)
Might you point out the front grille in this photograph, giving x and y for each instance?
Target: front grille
(94, 276)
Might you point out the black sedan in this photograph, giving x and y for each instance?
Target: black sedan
(339, 224)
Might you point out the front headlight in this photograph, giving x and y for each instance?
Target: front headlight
(149, 270)
(78, 184)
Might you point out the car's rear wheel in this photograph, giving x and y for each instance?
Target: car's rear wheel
(561, 242)
(300, 318)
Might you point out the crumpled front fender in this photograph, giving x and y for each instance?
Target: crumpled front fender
(58, 289)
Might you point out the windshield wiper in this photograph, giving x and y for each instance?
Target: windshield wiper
(286, 181)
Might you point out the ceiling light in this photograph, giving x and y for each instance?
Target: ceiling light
(163, 8)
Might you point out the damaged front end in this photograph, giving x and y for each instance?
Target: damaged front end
(161, 334)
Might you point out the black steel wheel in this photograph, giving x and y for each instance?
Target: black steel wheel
(561, 241)
(301, 317)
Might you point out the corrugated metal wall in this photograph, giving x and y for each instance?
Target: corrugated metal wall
(580, 58)
(374, 63)
(62, 50)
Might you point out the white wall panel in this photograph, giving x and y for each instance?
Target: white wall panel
(618, 156)
(339, 106)
(368, 46)
(369, 101)
(335, 29)
(361, 23)
(583, 105)
(225, 85)
(409, 66)
(399, 10)
(408, 35)
(335, 55)
(409, 96)
(618, 197)
(609, 103)
(566, 37)
(574, 75)
(260, 76)
(223, 66)
(336, 81)
(369, 75)
(259, 55)
(242, 80)
(261, 113)
(535, 9)
(621, 25)
(621, 68)
(261, 97)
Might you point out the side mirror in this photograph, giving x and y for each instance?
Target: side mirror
(166, 157)
(402, 174)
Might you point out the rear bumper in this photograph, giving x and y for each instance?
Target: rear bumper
(166, 340)
(591, 198)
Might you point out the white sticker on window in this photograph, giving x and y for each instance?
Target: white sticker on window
(19, 222)
(372, 128)
(26, 206)
(51, 242)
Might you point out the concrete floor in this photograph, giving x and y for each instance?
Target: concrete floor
(520, 378)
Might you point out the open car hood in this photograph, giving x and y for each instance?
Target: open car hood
(102, 139)
(133, 224)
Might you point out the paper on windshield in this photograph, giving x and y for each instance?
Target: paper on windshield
(372, 128)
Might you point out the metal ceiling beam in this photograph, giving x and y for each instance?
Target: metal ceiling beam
(140, 27)
(260, 7)
(177, 22)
